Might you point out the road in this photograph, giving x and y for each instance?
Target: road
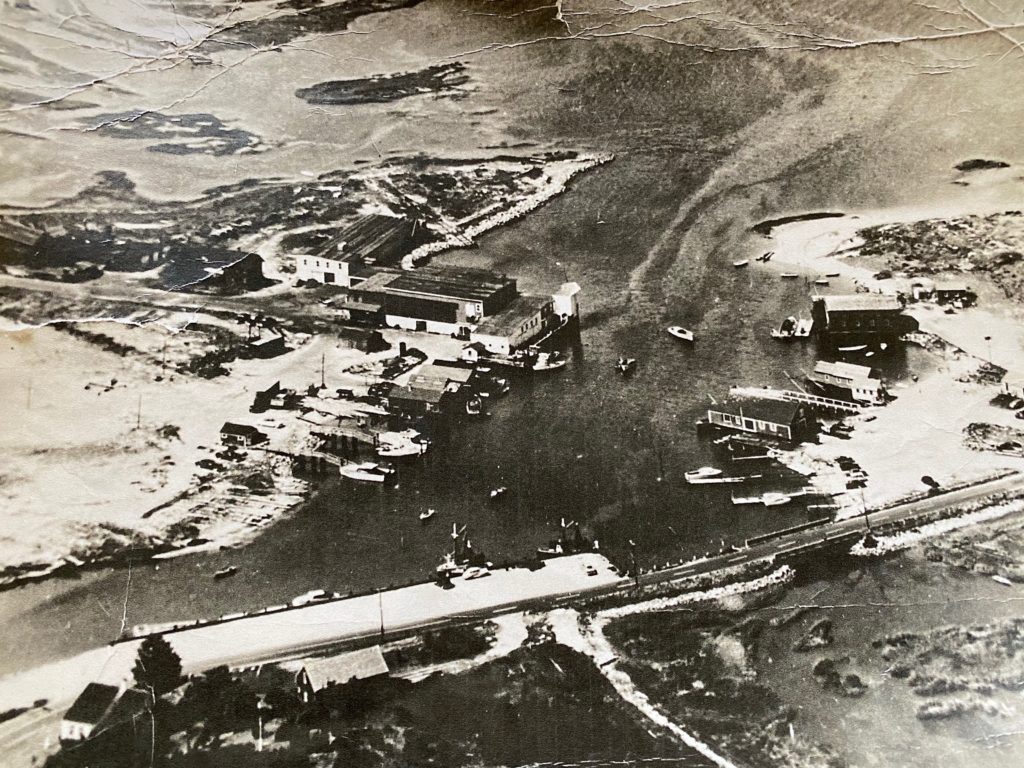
(355, 622)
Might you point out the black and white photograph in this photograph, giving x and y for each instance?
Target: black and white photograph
(511, 383)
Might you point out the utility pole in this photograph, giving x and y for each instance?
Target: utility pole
(323, 358)
(138, 414)
(380, 606)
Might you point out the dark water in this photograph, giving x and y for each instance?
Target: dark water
(687, 182)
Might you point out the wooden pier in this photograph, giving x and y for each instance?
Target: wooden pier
(793, 396)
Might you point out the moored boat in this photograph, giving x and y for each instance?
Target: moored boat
(548, 361)
(789, 275)
(427, 514)
(704, 473)
(740, 264)
(683, 334)
(625, 365)
(366, 471)
(223, 573)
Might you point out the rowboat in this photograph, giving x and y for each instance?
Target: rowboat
(741, 264)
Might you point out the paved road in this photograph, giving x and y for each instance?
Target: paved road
(24, 736)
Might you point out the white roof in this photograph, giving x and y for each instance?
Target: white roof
(861, 301)
(843, 370)
(355, 665)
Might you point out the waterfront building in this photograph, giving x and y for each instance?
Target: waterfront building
(317, 674)
(415, 401)
(446, 300)
(861, 317)
(785, 421)
(241, 434)
(512, 328)
(372, 241)
(851, 382)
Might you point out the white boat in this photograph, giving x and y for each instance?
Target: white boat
(1002, 580)
(476, 572)
(821, 281)
(742, 263)
(404, 448)
(548, 361)
(775, 499)
(789, 275)
(853, 348)
(804, 326)
(681, 333)
(721, 480)
(497, 493)
(697, 475)
(426, 515)
(366, 471)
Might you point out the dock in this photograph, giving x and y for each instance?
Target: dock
(794, 396)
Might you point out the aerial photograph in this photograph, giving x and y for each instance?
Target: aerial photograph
(526, 383)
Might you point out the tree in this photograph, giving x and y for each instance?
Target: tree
(158, 667)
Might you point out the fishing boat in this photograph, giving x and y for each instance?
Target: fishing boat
(789, 275)
(741, 264)
(681, 333)
(625, 365)
(448, 566)
(223, 573)
(787, 330)
(697, 475)
(427, 514)
(548, 361)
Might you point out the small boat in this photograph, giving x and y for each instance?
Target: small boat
(717, 479)
(497, 493)
(821, 281)
(474, 406)
(1002, 580)
(475, 572)
(625, 365)
(223, 573)
(548, 361)
(831, 274)
(853, 348)
(789, 275)
(681, 333)
(409, 448)
(448, 566)
(741, 264)
(775, 499)
(696, 475)
(366, 471)
(426, 515)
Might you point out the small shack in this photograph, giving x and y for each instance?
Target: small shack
(955, 293)
(267, 347)
(317, 674)
(241, 434)
(775, 419)
(89, 709)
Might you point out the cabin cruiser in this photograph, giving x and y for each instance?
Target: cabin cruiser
(702, 474)
(681, 333)
(367, 471)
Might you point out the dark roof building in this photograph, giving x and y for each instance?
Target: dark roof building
(317, 674)
(241, 434)
(775, 419)
(88, 710)
(861, 317)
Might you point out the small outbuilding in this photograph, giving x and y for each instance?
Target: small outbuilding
(317, 674)
(89, 709)
(241, 434)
